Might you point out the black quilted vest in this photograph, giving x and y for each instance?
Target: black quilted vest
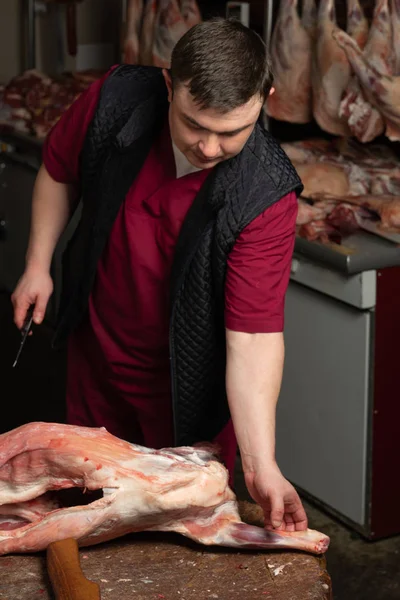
(132, 108)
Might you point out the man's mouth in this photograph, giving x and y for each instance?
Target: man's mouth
(204, 159)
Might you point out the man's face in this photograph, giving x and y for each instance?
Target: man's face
(206, 136)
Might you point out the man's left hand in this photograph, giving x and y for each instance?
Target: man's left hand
(277, 497)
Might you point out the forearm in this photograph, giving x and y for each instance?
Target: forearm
(52, 205)
(253, 380)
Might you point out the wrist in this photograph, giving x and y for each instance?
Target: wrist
(37, 264)
(256, 464)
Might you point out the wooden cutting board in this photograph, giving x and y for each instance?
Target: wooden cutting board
(168, 567)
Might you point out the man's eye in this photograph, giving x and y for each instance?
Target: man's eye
(192, 125)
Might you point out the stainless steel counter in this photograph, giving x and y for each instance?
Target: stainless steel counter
(359, 252)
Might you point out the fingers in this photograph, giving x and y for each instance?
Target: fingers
(270, 527)
(294, 517)
(21, 302)
(277, 510)
(20, 310)
(281, 503)
(297, 514)
(300, 519)
(289, 521)
(32, 289)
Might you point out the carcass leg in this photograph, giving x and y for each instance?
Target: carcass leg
(242, 535)
(223, 527)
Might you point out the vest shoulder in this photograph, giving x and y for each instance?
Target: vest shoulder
(274, 164)
(133, 83)
(135, 73)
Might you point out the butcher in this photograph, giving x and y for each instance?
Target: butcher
(174, 281)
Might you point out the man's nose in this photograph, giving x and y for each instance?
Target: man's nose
(209, 146)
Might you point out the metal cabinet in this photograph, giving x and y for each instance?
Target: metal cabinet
(322, 421)
(339, 410)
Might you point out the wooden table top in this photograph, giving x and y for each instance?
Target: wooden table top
(163, 566)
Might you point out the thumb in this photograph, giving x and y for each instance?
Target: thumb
(40, 308)
(277, 511)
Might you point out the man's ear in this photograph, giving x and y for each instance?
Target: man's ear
(168, 83)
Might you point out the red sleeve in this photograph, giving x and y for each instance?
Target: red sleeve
(259, 270)
(64, 143)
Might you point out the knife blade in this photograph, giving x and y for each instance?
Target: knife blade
(26, 327)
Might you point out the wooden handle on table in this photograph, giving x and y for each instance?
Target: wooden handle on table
(66, 576)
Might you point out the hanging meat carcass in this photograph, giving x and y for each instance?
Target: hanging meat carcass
(331, 69)
(291, 52)
(132, 34)
(170, 26)
(330, 73)
(362, 119)
(365, 121)
(154, 27)
(190, 12)
(382, 91)
(379, 49)
(357, 23)
(395, 20)
(309, 17)
(147, 33)
(175, 489)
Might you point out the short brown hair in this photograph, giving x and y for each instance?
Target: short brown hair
(223, 63)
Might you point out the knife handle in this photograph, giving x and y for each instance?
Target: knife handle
(65, 572)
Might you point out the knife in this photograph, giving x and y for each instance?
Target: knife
(65, 572)
(26, 327)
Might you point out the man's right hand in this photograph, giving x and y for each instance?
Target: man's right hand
(277, 497)
(34, 287)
